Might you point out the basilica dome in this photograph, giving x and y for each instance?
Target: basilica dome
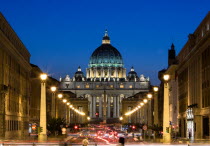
(106, 55)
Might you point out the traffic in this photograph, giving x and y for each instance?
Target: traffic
(102, 134)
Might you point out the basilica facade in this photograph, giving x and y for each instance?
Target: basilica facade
(105, 84)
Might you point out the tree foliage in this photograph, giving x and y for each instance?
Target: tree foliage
(55, 125)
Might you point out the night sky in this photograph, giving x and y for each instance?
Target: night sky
(62, 34)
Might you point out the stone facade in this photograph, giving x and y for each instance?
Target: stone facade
(14, 83)
(194, 83)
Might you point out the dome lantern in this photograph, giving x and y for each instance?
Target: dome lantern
(106, 39)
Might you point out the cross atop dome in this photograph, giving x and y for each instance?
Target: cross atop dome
(79, 69)
(106, 39)
(132, 68)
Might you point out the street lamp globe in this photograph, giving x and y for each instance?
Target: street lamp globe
(60, 95)
(64, 100)
(166, 77)
(68, 103)
(53, 88)
(43, 76)
(145, 100)
(155, 89)
(88, 118)
(121, 118)
(70, 106)
(149, 95)
(141, 103)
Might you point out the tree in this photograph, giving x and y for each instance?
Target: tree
(55, 124)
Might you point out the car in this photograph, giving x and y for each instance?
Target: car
(121, 134)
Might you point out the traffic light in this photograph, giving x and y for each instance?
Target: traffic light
(133, 127)
(75, 127)
(97, 114)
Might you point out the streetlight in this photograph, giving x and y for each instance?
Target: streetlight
(166, 125)
(155, 88)
(43, 116)
(166, 77)
(145, 100)
(141, 103)
(156, 119)
(53, 108)
(149, 95)
(60, 95)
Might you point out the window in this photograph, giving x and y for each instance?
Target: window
(78, 86)
(121, 86)
(130, 86)
(87, 86)
(97, 86)
(111, 86)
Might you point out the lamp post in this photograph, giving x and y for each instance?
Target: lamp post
(57, 114)
(149, 109)
(166, 125)
(65, 105)
(155, 90)
(53, 106)
(43, 116)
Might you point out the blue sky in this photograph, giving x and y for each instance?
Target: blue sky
(62, 34)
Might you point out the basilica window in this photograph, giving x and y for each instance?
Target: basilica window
(130, 86)
(111, 100)
(111, 86)
(78, 86)
(97, 99)
(121, 86)
(97, 86)
(87, 86)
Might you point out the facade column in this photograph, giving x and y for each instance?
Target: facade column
(114, 112)
(109, 105)
(43, 116)
(91, 106)
(199, 127)
(91, 74)
(94, 72)
(149, 113)
(94, 106)
(117, 73)
(100, 107)
(166, 135)
(53, 114)
(87, 72)
(118, 106)
(109, 72)
(103, 75)
(156, 118)
(124, 73)
(67, 114)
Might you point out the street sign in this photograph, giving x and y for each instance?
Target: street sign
(145, 127)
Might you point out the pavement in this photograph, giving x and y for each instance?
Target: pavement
(60, 141)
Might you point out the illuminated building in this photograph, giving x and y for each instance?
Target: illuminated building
(105, 84)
